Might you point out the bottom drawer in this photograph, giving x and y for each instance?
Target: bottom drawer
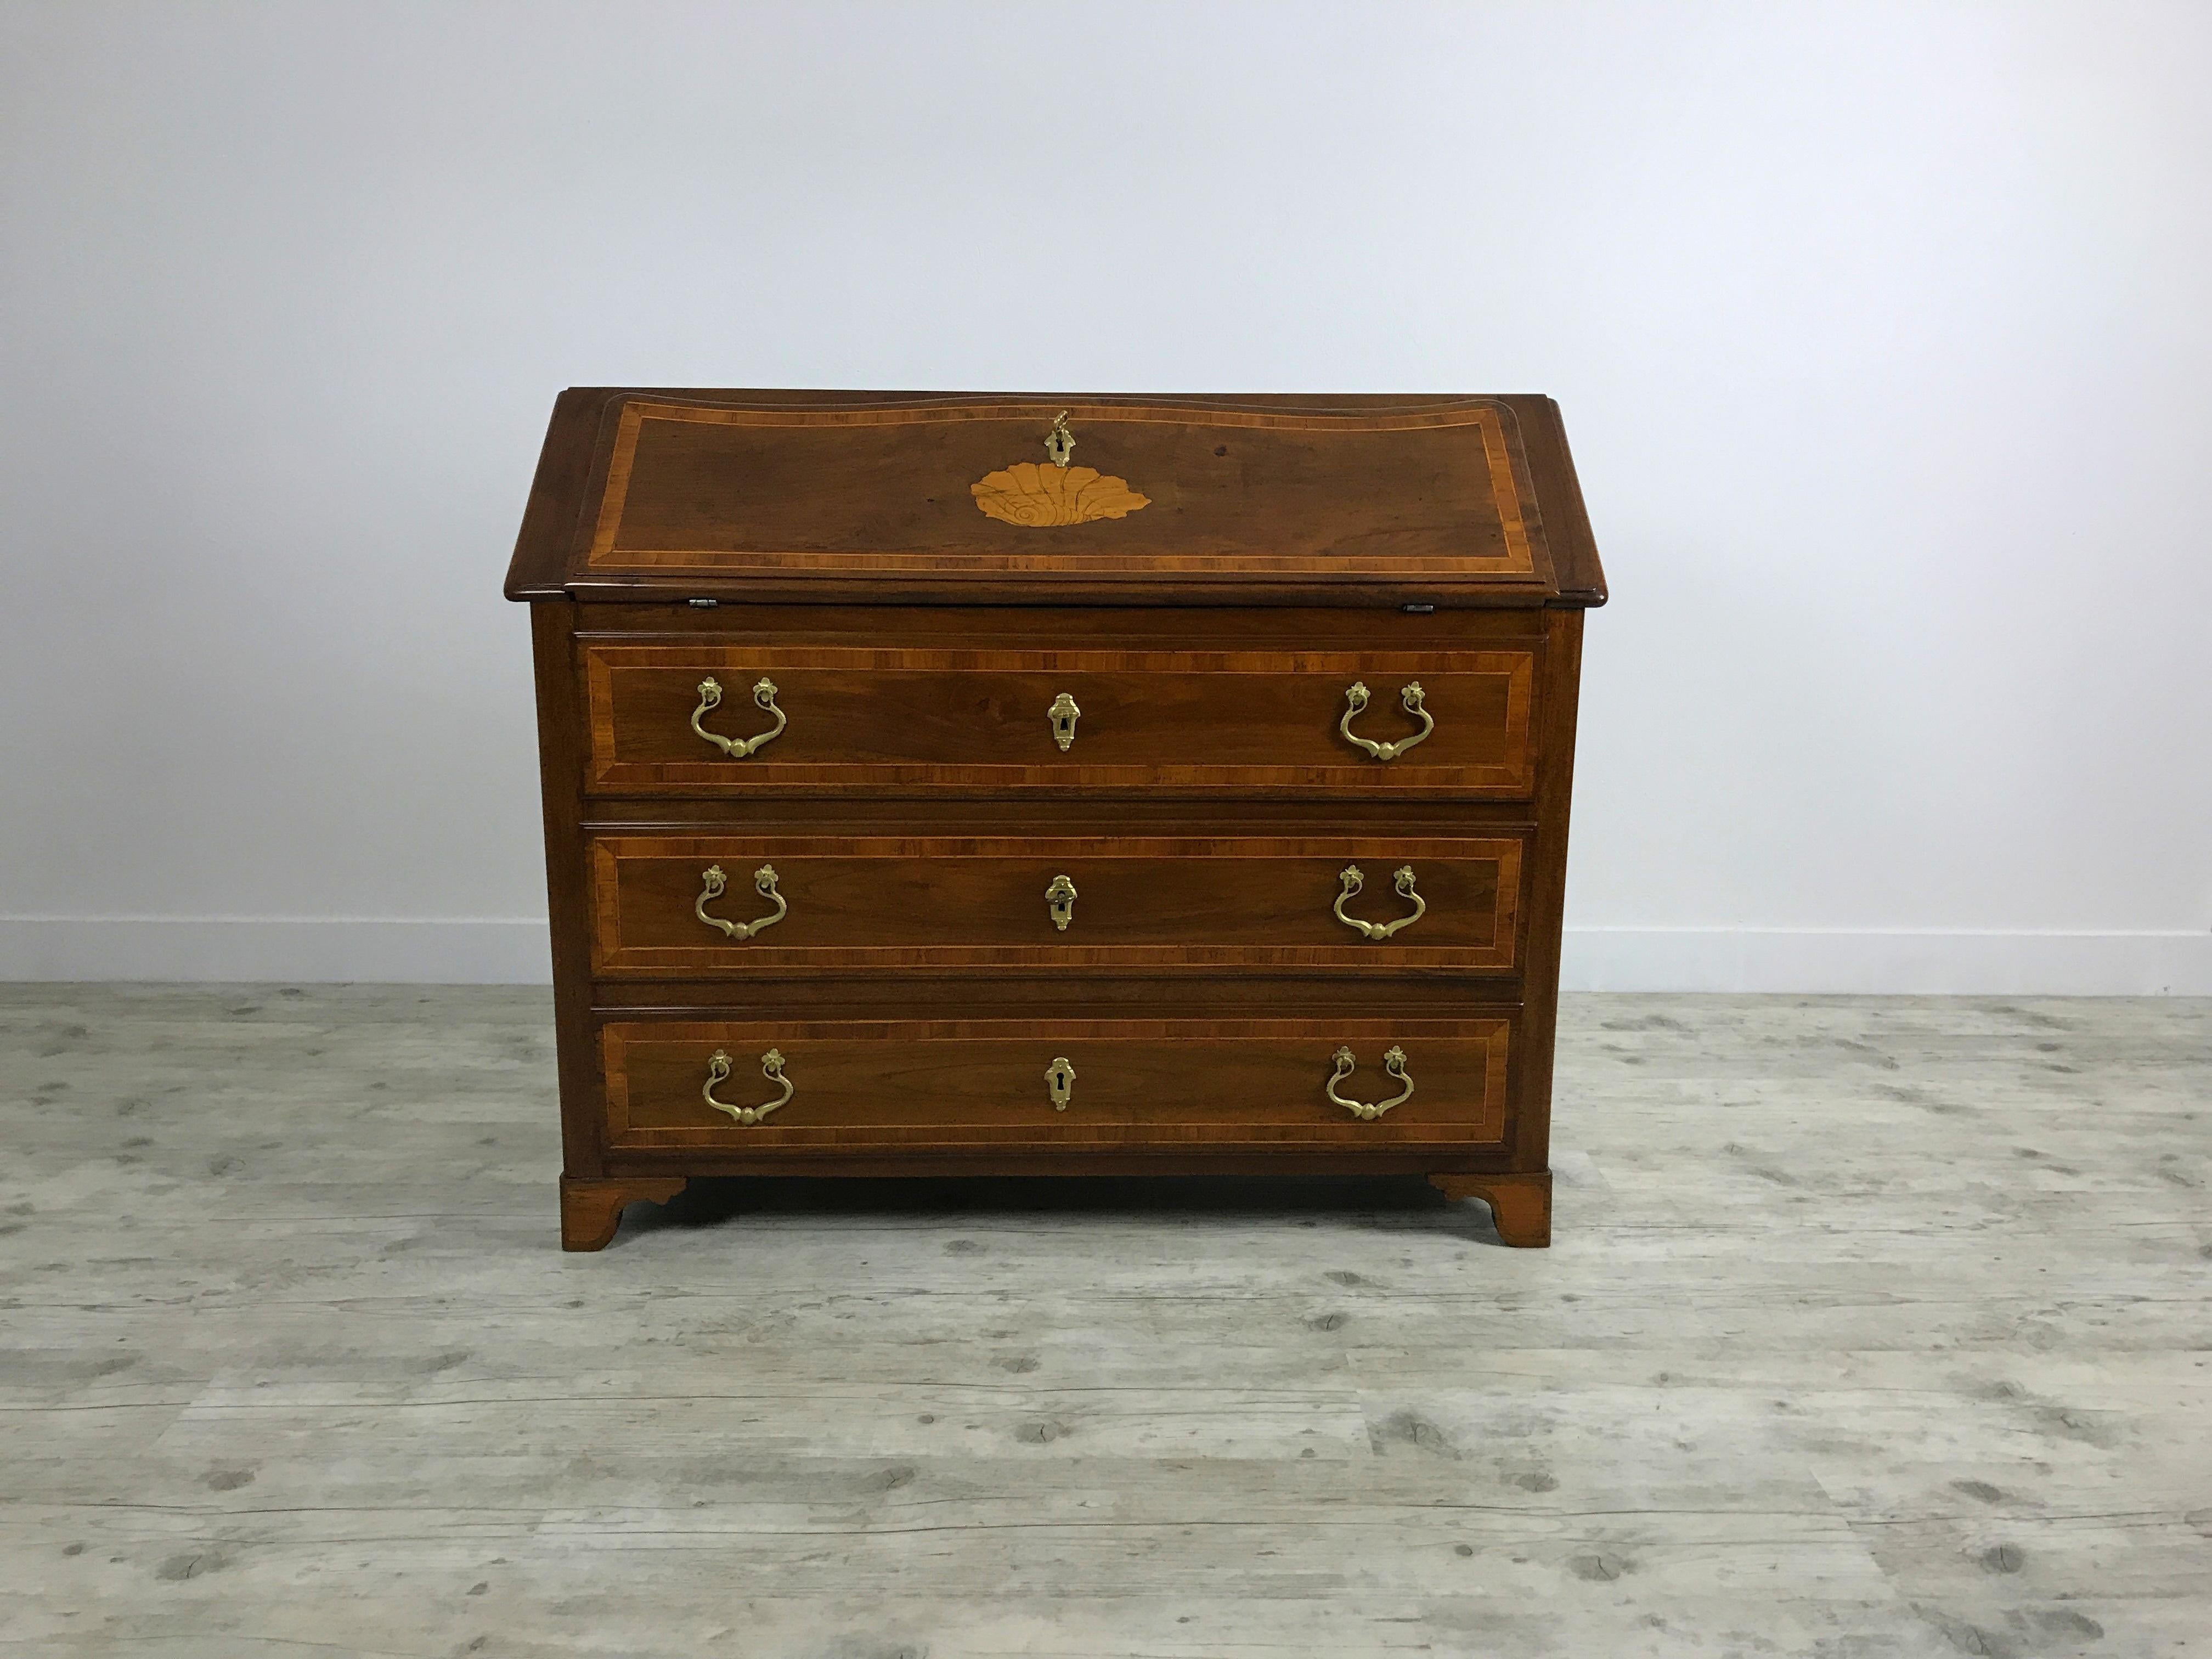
(1180, 1083)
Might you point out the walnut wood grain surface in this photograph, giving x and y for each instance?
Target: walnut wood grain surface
(1345, 495)
(561, 740)
(893, 717)
(1186, 904)
(1286, 454)
(1574, 549)
(662, 616)
(934, 1086)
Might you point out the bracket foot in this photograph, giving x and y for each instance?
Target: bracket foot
(1520, 1204)
(591, 1210)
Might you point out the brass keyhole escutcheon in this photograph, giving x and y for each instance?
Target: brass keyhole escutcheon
(1059, 442)
(1060, 900)
(1063, 715)
(1060, 1083)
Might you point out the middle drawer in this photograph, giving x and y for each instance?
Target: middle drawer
(717, 905)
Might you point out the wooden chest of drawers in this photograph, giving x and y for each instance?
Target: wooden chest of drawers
(963, 783)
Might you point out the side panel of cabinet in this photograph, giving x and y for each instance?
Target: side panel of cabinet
(1532, 1103)
(567, 886)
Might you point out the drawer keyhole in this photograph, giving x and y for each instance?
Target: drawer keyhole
(1060, 1083)
(1059, 899)
(1063, 715)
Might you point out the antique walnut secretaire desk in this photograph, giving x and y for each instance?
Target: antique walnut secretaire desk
(1054, 785)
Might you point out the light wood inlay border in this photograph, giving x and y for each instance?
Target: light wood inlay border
(1518, 560)
(739, 961)
(609, 773)
(953, 1126)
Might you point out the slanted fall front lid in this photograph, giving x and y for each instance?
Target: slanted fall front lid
(1071, 497)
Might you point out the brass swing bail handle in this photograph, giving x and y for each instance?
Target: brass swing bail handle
(718, 1071)
(710, 698)
(1355, 700)
(712, 882)
(1394, 1062)
(1350, 879)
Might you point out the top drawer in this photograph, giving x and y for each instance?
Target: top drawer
(800, 718)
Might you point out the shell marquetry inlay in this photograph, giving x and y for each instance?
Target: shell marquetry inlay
(1027, 494)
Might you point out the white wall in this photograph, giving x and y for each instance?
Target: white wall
(1884, 334)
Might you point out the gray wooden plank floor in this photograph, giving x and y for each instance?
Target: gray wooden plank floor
(1873, 1327)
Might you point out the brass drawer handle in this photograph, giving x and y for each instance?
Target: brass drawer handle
(1059, 899)
(763, 882)
(1060, 1083)
(718, 1071)
(710, 697)
(1063, 715)
(1394, 1062)
(1351, 880)
(1355, 699)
